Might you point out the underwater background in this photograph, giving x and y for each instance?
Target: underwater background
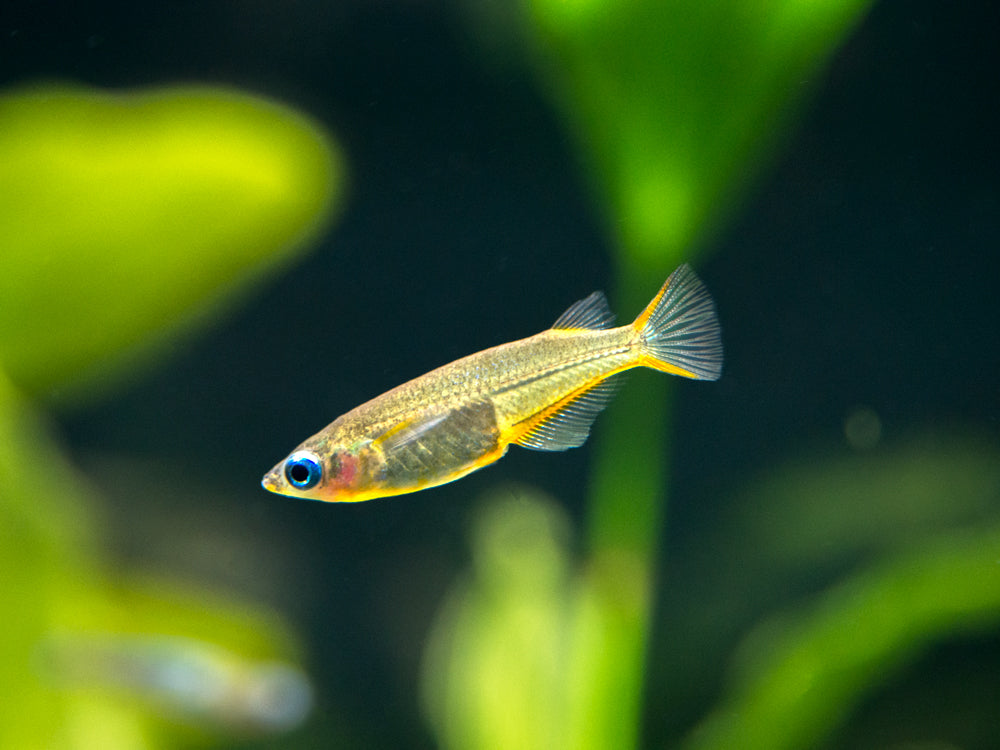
(803, 554)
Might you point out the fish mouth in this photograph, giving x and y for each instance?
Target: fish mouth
(272, 481)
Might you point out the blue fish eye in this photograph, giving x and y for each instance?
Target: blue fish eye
(303, 470)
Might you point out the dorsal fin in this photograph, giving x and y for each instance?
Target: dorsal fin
(566, 424)
(591, 312)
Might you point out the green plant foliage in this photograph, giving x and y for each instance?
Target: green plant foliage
(900, 540)
(495, 666)
(828, 511)
(125, 217)
(806, 523)
(802, 673)
(88, 657)
(906, 537)
(674, 105)
(129, 215)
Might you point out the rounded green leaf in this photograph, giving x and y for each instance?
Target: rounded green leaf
(126, 215)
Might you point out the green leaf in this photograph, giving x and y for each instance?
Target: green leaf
(801, 674)
(129, 215)
(675, 102)
(93, 659)
(495, 661)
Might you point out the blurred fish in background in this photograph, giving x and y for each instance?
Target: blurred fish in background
(181, 678)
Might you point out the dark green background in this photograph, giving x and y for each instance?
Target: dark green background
(859, 270)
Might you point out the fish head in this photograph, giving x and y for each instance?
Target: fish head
(327, 471)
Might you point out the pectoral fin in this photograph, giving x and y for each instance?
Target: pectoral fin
(409, 431)
(437, 446)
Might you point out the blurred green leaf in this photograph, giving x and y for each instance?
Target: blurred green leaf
(42, 527)
(520, 644)
(95, 659)
(800, 674)
(127, 216)
(823, 513)
(495, 663)
(803, 526)
(675, 103)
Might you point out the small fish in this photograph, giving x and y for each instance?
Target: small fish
(183, 678)
(542, 392)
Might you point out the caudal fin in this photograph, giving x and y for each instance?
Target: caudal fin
(679, 330)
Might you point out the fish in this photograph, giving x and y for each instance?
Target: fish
(542, 392)
(199, 682)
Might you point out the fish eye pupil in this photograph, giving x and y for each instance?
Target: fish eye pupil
(302, 470)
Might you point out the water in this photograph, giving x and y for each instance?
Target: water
(855, 281)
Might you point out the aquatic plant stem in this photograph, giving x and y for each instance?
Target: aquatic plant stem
(627, 499)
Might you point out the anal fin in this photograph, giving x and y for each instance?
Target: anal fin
(566, 424)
